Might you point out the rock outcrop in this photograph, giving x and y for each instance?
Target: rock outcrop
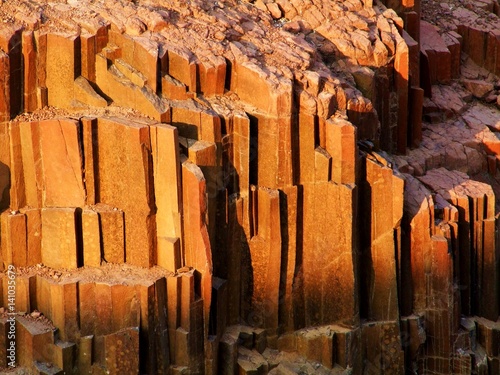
(221, 187)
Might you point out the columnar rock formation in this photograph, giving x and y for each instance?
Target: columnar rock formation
(221, 187)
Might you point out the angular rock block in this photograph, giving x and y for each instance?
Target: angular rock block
(31, 157)
(124, 302)
(289, 309)
(187, 299)
(488, 336)
(64, 356)
(17, 191)
(145, 58)
(212, 76)
(43, 300)
(88, 309)
(13, 240)
(62, 176)
(112, 233)
(64, 309)
(4, 165)
(62, 68)
(382, 347)
(85, 94)
(103, 308)
(91, 237)
(161, 336)
(251, 362)
(89, 131)
(182, 68)
(59, 238)
(88, 50)
(25, 291)
(453, 42)
(269, 135)
(341, 145)
(173, 309)
(228, 354)
(33, 235)
(5, 84)
(49, 179)
(84, 354)
(117, 86)
(120, 350)
(317, 345)
(247, 78)
(36, 340)
(168, 253)
(173, 89)
(306, 147)
(11, 44)
(219, 296)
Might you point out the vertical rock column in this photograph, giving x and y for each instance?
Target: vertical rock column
(236, 218)
(324, 271)
(402, 75)
(61, 157)
(265, 254)
(62, 68)
(13, 240)
(168, 195)
(4, 129)
(434, 261)
(47, 173)
(442, 309)
(124, 170)
(418, 221)
(445, 251)
(330, 290)
(263, 141)
(196, 243)
(329, 251)
(416, 252)
(382, 203)
(30, 81)
(11, 44)
(59, 238)
(479, 273)
(381, 209)
(48, 168)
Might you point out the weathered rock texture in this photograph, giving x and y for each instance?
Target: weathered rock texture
(222, 187)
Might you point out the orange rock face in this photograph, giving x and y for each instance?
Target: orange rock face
(251, 187)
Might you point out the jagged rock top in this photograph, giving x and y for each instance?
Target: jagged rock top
(279, 37)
